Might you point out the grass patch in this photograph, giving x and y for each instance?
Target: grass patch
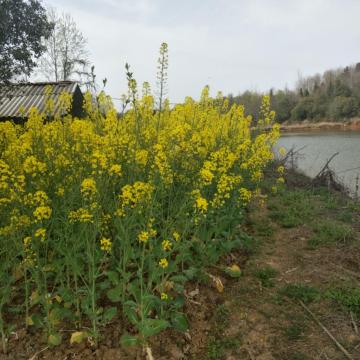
(216, 348)
(302, 292)
(298, 356)
(328, 232)
(262, 227)
(266, 276)
(348, 298)
(295, 331)
(291, 208)
(218, 343)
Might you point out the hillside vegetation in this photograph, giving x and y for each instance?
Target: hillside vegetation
(333, 95)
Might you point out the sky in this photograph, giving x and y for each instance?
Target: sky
(230, 45)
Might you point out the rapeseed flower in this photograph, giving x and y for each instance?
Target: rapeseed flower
(163, 263)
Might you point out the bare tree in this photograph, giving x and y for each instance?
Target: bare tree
(66, 56)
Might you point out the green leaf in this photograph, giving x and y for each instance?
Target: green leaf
(179, 322)
(114, 294)
(113, 277)
(129, 310)
(179, 278)
(151, 327)
(128, 340)
(103, 285)
(190, 273)
(109, 314)
(179, 302)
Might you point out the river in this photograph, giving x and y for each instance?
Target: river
(320, 146)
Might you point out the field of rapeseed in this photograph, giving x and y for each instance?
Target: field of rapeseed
(109, 216)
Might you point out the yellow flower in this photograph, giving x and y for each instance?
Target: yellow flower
(143, 236)
(163, 263)
(282, 151)
(42, 213)
(81, 215)
(281, 169)
(88, 187)
(141, 157)
(115, 170)
(105, 244)
(206, 175)
(164, 296)
(40, 233)
(176, 236)
(60, 191)
(166, 245)
(201, 204)
(281, 180)
(27, 241)
(245, 195)
(33, 167)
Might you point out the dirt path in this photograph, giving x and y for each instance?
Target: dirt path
(263, 306)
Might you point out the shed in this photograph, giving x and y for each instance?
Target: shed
(16, 100)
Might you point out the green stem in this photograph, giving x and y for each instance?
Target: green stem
(3, 336)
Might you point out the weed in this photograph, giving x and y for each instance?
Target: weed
(262, 227)
(216, 348)
(291, 208)
(349, 298)
(298, 356)
(295, 331)
(302, 292)
(266, 276)
(328, 232)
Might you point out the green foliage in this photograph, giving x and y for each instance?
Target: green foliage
(291, 208)
(349, 298)
(23, 24)
(216, 348)
(335, 95)
(328, 232)
(218, 343)
(266, 276)
(343, 108)
(295, 331)
(302, 292)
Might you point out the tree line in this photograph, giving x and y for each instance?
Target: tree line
(333, 95)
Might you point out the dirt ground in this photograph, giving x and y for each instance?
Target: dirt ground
(259, 314)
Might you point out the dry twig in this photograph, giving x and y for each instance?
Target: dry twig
(354, 323)
(331, 336)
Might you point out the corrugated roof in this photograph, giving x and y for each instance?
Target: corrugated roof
(27, 95)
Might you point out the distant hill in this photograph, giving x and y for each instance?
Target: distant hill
(331, 96)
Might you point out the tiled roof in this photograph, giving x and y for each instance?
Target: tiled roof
(24, 96)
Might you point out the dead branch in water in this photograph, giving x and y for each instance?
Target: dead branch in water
(326, 166)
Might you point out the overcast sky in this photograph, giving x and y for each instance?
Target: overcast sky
(231, 45)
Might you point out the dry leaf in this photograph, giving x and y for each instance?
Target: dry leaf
(78, 336)
(218, 283)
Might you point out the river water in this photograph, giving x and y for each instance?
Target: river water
(320, 146)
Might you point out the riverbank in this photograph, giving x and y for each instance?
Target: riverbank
(350, 125)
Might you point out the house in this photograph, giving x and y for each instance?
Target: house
(16, 100)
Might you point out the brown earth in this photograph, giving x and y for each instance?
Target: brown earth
(350, 125)
(250, 319)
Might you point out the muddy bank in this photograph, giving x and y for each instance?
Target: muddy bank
(350, 125)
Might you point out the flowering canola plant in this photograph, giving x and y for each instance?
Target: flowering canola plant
(123, 207)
